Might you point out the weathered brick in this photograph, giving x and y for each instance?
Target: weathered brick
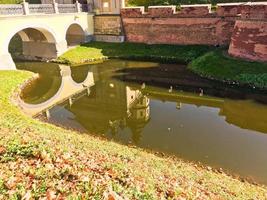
(195, 10)
(107, 25)
(249, 40)
(178, 30)
(161, 11)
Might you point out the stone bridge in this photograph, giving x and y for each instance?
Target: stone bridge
(46, 30)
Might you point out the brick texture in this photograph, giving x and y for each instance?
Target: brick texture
(242, 25)
(249, 40)
(107, 25)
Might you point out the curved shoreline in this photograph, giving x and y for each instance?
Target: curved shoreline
(193, 56)
(88, 150)
(14, 99)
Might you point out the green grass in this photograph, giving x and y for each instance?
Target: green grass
(163, 53)
(206, 61)
(39, 159)
(10, 1)
(217, 65)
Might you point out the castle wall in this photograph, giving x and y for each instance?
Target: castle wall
(249, 40)
(242, 25)
(194, 24)
(108, 28)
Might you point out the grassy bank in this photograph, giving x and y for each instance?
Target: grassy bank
(217, 65)
(163, 53)
(206, 61)
(41, 160)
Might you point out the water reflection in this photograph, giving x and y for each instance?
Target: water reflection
(64, 89)
(216, 131)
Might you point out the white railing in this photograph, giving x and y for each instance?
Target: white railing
(68, 8)
(41, 8)
(11, 9)
(25, 8)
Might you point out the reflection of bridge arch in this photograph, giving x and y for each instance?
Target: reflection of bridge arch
(67, 89)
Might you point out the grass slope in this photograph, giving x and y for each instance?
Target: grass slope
(41, 160)
(164, 53)
(217, 65)
(206, 61)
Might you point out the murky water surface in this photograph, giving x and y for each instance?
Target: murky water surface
(220, 132)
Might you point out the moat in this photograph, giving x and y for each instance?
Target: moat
(201, 122)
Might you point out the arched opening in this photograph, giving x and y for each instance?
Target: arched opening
(75, 35)
(32, 44)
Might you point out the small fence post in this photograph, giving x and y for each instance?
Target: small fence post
(25, 6)
(78, 6)
(55, 6)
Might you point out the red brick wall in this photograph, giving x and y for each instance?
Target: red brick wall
(243, 26)
(179, 30)
(191, 25)
(249, 40)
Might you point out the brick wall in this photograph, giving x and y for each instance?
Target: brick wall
(249, 40)
(179, 30)
(241, 24)
(194, 24)
(108, 28)
(107, 25)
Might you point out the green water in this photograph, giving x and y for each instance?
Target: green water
(219, 132)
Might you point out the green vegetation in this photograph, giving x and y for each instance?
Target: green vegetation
(10, 1)
(156, 52)
(209, 62)
(41, 160)
(217, 65)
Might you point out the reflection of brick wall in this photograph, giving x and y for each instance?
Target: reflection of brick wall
(107, 25)
(249, 40)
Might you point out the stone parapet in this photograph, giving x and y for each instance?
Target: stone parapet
(195, 10)
(168, 11)
(254, 11)
(251, 10)
(245, 9)
(161, 11)
(133, 12)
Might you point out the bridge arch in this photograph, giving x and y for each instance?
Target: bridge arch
(37, 42)
(49, 34)
(75, 34)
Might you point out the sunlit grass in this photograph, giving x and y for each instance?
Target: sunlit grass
(136, 173)
(157, 52)
(218, 65)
